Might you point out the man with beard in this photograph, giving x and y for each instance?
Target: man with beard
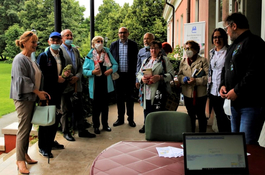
(242, 73)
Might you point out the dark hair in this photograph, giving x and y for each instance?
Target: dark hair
(194, 45)
(154, 42)
(223, 34)
(239, 19)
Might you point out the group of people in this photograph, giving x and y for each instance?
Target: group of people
(230, 73)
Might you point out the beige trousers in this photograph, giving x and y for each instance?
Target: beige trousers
(24, 113)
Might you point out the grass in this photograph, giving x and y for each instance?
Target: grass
(6, 104)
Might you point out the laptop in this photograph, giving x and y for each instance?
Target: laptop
(215, 154)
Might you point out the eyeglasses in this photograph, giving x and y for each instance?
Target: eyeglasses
(122, 33)
(226, 27)
(156, 48)
(99, 41)
(30, 34)
(217, 37)
(187, 48)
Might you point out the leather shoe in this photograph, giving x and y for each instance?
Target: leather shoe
(86, 134)
(45, 154)
(132, 124)
(118, 122)
(142, 130)
(107, 128)
(68, 137)
(56, 145)
(96, 131)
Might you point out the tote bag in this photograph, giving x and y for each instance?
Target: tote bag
(44, 115)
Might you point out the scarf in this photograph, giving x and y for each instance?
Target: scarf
(104, 58)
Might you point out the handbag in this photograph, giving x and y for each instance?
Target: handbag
(115, 76)
(44, 115)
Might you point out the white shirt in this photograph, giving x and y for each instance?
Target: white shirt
(217, 64)
(58, 60)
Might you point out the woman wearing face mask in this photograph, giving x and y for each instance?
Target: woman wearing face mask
(193, 78)
(98, 67)
(51, 63)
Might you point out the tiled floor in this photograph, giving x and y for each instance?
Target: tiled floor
(78, 156)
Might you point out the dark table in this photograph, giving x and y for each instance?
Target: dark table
(141, 157)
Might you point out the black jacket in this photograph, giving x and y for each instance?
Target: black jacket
(48, 66)
(132, 55)
(244, 70)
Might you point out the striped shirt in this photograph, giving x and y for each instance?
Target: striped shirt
(123, 56)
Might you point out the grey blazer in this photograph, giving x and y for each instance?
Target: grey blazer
(22, 79)
(78, 72)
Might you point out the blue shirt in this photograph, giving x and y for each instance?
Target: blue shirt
(142, 55)
(123, 56)
(71, 55)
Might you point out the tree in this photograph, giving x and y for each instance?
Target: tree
(146, 16)
(39, 14)
(8, 16)
(10, 36)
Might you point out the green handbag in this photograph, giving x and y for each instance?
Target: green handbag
(44, 115)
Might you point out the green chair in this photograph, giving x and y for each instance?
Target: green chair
(166, 126)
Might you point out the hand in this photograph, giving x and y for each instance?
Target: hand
(145, 80)
(96, 71)
(231, 95)
(137, 85)
(155, 78)
(192, 81)
(108, 72)
(73, 80)
(42, 94)
(223, 92)
(61, 79)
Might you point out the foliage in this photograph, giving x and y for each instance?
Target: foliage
(12, 34)
(143, 16)
(6, 104)
(175, 57)
(8, 17)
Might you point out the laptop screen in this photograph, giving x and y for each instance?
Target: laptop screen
(215, 153)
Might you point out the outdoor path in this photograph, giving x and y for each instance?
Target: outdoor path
(78, 156)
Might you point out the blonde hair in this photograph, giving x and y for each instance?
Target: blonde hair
(95, 39)
(24, 38)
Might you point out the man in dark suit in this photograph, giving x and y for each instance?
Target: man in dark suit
(125, 53)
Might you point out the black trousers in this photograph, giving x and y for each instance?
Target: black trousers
(100, 102)
(46, 135)
(124, 87)
(223, 123)
(197, 110)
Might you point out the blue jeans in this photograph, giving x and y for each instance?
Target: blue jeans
(246, 120)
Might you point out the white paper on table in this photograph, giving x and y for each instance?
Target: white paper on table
(169, 152)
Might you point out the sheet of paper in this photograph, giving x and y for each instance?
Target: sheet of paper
(169, 151)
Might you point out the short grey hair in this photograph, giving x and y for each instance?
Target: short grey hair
(95, 39)
(150, 34)
(63, 32)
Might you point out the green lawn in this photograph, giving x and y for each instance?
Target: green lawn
(6, 104)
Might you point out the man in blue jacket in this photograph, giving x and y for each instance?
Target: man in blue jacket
(125, 53)
(243, 71)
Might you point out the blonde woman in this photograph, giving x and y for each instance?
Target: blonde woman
(98, 67)
(25, 84)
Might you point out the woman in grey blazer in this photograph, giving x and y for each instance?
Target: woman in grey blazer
(25, 88)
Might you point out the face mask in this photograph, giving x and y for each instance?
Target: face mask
(147, 47)
(189, 53)
(68, 42)
(55, 46)
(99, 46)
